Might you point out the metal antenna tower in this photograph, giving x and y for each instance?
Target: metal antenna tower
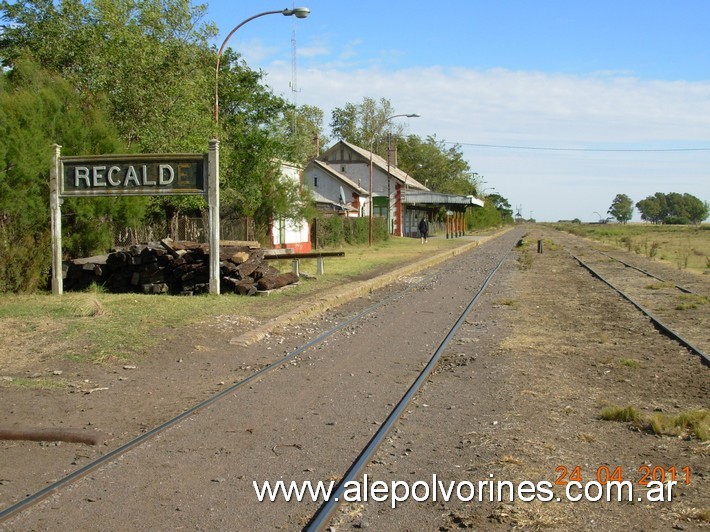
(294, 76)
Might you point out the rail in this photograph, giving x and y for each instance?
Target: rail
(705, 358)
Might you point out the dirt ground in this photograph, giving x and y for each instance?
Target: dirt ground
(518, 396)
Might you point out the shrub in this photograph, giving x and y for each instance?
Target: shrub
(336, 231)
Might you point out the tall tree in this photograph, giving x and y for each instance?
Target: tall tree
(253, 143)
(622, 208)
(150, 60)
(502, 206)
(303, 133)
(651, 209)
(673, 208)
(439, 167)
(366, 124)
(38, 109)
(151, 64)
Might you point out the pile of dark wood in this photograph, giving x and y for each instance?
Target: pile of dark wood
(170, 267)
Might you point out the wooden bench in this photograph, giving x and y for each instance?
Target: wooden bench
(296, 257)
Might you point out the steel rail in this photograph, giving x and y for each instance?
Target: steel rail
(646, 272)
(324, 514)
(91, 466)
(656, 321)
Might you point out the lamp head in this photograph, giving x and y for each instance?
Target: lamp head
(414, 115)
(298, 12)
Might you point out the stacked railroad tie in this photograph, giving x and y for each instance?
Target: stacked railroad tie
(170, 267)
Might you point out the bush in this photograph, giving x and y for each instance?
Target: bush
(336, 231)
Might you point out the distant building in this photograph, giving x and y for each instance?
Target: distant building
(340, 182)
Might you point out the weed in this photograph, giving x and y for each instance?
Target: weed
(603, 338)
(627, 242)
(629, 363)
(659, 286)
(691, 301)
(525, 260)
(507, 302)
(692, 422)
(90, 308)
(550, 245)
(695, 423)
(586, 437)
(617, 413)
(683, 255)
(684, 246)
(693, 514)
(39, 383)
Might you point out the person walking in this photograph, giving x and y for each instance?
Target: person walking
(424, 229)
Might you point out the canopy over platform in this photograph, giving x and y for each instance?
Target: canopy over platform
(450, 201)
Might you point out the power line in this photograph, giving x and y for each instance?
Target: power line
(538, 148)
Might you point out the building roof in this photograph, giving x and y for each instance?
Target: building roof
(381, 163)
(340, 177)
(422, 197)
(332, 205)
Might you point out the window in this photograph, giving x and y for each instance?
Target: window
(315, 180)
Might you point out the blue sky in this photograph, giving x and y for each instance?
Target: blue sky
(602, 75)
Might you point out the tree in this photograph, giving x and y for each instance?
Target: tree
(255, 139)
(502, 206)
(150, 61)
(622, 208)
(150, 64)
(37, 109)
(673, 208)
(697, 210)
(441, 168)
(365, 124)
(651, 209)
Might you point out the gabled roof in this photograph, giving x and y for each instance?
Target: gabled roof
(333, 205)
(339, 176)
(381, 163)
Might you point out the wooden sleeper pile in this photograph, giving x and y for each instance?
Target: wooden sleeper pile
(170, 267)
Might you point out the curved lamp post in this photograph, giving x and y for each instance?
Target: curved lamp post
(372, 143)
(298, 12)
(213, 165)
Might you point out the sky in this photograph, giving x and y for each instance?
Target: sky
(558, 105)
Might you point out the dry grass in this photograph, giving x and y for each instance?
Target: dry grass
(691, 423)
(684, 246)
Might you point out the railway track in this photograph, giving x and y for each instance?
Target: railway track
(675, 309)
(373, 404)
(321, 517)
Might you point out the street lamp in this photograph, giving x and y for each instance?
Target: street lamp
(298, 12)
(213, 170)
(372, 143)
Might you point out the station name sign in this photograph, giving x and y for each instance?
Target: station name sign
(133, 175)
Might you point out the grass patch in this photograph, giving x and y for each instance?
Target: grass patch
(629, 363)
(691, 423)
(39, 383)
(618, 413)
(693, 514)
(98, 327)
(525, 260)
(691, 301)
(660, 286)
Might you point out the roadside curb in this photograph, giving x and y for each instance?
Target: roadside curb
(335, 298)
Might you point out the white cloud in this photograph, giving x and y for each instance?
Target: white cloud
(499, 106)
